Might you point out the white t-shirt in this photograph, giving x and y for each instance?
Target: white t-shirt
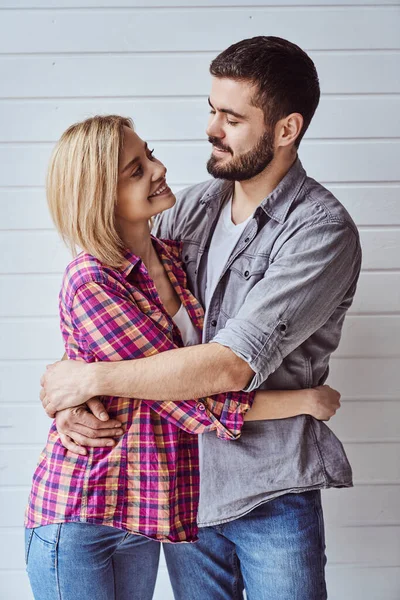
(190, 335)
(224, 239)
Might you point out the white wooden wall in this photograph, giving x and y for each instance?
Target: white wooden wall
(63, 60)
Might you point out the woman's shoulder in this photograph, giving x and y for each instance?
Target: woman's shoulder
(83, 269)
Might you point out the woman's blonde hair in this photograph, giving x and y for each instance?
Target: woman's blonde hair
(82, 185)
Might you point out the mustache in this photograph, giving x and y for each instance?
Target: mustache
(217, 143)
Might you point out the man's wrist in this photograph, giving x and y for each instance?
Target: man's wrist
(94, 380)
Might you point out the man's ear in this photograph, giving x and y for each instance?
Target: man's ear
(287, 130)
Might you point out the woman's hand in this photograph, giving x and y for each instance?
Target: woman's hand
(322, 402)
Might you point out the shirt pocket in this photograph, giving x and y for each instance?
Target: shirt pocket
(244, 273)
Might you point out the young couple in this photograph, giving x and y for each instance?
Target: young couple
(274, 260)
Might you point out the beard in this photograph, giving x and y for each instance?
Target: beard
(244, 166)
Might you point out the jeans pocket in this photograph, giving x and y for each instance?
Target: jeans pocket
(28, 539)
(48, 534)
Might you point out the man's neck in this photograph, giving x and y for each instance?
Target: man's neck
(249, 194)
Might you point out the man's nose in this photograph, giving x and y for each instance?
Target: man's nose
(214, 128)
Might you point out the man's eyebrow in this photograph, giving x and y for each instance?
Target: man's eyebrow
(229, 111)
(133, 161)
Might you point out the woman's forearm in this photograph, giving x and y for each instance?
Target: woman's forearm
(279, 404)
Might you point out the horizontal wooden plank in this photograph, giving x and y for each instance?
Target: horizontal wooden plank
(60, 4)
(31, 339)
(364, 583)
(370, 336)
(363, 336)
(368, 205)
(333, 161)
(368, 546)
(368, 378)
(128, 30)
(186, 118)
(47, 253)
(367, 421)
(380, 249)
(32, 252)
(362, 505)
(20, 381)
(16, 299)
(179, 75)
(377, 293)
(372, 463)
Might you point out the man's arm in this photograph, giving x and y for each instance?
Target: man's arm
(309, 278)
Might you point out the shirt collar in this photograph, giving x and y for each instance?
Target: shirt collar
(277, 204)
(132, 260)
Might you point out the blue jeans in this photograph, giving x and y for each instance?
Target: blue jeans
(81, 561)
(276, 552)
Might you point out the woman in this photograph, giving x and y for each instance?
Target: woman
(93, 520)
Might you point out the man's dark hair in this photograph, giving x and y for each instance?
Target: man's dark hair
(285, 76)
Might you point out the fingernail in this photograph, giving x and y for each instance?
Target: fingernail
(110, 444)
(103, 416)
(119, 432)
(83, 452)
(119, 425)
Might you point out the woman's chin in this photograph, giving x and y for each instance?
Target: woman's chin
(163, 203)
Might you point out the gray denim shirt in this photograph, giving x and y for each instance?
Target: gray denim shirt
(280, 305)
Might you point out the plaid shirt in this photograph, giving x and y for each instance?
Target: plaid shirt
(148, 483)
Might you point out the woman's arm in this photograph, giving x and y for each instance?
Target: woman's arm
(320, 402)
(110, 326)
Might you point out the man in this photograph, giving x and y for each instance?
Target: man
(275, 259)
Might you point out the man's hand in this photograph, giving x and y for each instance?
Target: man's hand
(64, 385)
(77, 427)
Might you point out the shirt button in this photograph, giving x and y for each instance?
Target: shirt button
(246, 240)
(201, 406)
(246, 273)
(186, 257)
(214, 323)
(282, 327)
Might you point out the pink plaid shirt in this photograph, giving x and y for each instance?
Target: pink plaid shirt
(149, 482)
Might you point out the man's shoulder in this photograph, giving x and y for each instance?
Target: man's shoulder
(319, 205)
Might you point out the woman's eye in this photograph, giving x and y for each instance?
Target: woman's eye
(138, 172)
(212, 112)
(151, 152)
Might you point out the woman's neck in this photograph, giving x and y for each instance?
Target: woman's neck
(137, 239)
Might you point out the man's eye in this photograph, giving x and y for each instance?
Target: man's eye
(233, 123)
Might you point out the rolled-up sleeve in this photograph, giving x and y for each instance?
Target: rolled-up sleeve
(313, 272)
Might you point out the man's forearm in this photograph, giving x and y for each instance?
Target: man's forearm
(180, 374)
